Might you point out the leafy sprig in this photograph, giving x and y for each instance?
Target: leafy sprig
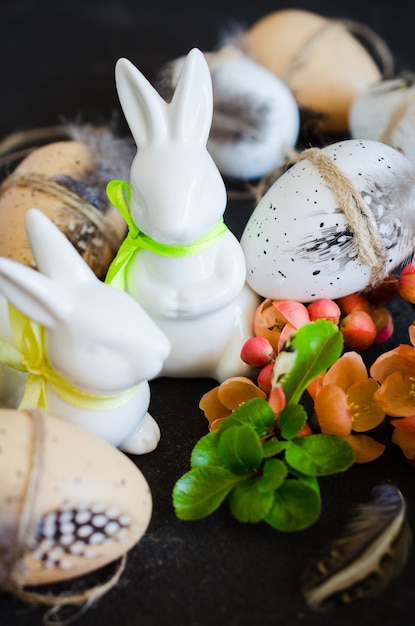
(258, 461)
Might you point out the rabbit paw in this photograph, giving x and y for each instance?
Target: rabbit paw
(144, 439)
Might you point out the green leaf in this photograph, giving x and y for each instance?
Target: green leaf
(247, 504)
(296, 506)
(240, 448)
(273, 475)
(201, 491)
(319, 455)
(206, 451)
(317, 345)
(292, 420)
(256, 412)
(311, 481)
(272, 447)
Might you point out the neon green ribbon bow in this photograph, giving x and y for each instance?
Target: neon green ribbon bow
(119, 194)
(30, 356)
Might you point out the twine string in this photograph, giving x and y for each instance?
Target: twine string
(359, 218)
(45, 184)
(26, 533)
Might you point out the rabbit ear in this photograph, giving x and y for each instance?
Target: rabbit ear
(191, 108)
(33, 294)
(144, 109)
(54, 254)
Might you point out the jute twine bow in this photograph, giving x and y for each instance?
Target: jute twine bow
(25, 534)
(45, 184)
(359, 218)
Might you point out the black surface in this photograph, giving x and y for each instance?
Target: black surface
(57, 62)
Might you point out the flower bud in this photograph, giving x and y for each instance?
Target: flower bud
(354, 302)
(264, 378)
(358, 329)
(384, 324)
(406, 285)
(324, 309)
(257, 351)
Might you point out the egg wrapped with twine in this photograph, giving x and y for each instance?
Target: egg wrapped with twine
(320, 59)
(67, 181)
(70, 504)
(337, 221)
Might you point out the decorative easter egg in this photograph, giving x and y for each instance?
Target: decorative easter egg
(386, 112)
(337, 221)
(256, 120)
(66, 180)
(70, 503)
(322, 63)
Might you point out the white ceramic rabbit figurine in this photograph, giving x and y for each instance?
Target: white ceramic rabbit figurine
(100, 347)
(187, 269)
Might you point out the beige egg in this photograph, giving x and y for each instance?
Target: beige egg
(322, 63)
(78, 502)
(50, 179)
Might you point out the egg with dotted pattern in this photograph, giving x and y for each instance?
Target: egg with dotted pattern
(298, 244)
(80, 502)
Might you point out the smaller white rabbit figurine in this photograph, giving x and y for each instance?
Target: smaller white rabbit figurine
(86, 350)
(180, 261)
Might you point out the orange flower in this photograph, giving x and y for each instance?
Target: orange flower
(395, 371)
(344, 404)
(277, 320)
(404, 436)
(222, 400)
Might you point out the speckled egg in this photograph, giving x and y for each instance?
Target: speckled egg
(320, 60)
(298, 243)
(80, 502)
(386, 112)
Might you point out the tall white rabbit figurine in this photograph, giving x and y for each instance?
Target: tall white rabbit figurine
(179, 260)
(85, 350)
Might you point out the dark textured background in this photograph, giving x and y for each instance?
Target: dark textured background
(56, 63)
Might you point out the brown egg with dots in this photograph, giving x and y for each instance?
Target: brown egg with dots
(67, 180)
(70, 502)
(319, 59)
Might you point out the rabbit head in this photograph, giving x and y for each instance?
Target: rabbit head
(177, 192)
(97, 338)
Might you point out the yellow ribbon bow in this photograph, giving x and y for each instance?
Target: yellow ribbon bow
(30, 356)
(119, 193)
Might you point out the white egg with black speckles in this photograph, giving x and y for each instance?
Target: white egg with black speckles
(297, 242)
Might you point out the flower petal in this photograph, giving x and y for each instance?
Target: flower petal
(365, 448)
(346, 371)
(366, 414)
(235, 391)
(295, 313)
(396, 395)
(267, 323)
(333, 412)
(400, 359)
(212, 407)
(405, 423)
(406, 441)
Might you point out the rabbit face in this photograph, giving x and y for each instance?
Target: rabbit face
(176, 194)
(107, 344)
